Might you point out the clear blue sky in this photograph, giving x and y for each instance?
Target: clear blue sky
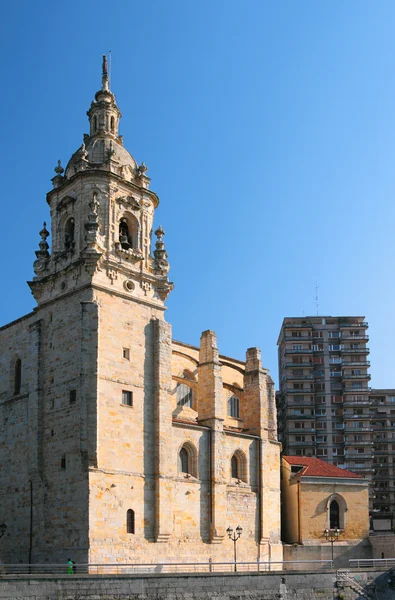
(269, 133)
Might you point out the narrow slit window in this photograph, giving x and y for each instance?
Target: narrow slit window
(130, 526)
(18, 376)
(126, 353)
(127, 398)
(73, 396)
(184, 461)
(334, 515)
(63, 462)
(234, 467)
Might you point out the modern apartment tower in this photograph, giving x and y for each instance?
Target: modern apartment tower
(323, 403)
(382, 410)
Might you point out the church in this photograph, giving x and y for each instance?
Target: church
(120, 444)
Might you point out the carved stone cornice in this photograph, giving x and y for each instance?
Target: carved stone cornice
(65, 202)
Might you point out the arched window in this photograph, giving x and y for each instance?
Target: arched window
(184, 461)
(69, 234)
(234, 407)
(17, 376)
(112, 125)
(334, 515)
(94, 124)
(130, 521)
(129, 232)
(234, 467)
(238, 466)
(184, 395)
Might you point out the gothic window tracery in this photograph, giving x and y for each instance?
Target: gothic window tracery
(234, 406)
(184, 395)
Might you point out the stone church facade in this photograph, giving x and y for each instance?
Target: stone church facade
(119, 444)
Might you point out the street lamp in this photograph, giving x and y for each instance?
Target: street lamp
(3, 527)
(332, 535)
(234, 537)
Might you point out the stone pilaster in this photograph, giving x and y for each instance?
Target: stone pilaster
(211, 409)
(163, 428)
(89, 382)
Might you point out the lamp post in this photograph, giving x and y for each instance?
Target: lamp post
(234, 537)
(332, 535)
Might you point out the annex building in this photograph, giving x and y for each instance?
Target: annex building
(119, 443)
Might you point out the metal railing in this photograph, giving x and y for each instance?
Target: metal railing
(383, 564)
(161, 568)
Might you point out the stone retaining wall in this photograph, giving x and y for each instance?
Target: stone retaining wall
(216, 586)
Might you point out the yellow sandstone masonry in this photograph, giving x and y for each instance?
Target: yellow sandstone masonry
(120, 444)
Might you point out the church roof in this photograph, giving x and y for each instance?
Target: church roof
(314, 467)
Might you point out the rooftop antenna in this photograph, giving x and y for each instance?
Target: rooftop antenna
(317, 287)
(110, 69)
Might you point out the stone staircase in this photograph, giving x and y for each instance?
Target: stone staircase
(344, 579)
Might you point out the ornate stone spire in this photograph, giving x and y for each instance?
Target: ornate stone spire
(160, 254)
(104, 78)
(58, 179)
(39, 265)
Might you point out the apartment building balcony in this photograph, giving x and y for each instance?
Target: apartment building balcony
(348, 325)
(290, 377)
(300, 417)
(298, 326)
(351, 429)
(299, 431)
(360, 443)
(303, 365)
(301, 392)
(296, 338)
(336, 374)
(296, 402)
(357, 456)
(353, 363)
(298, 444)
(359, 468)
(299, 351)
(351, 338)
(347, 417)
(347, 402)
(363, 350)
(356, 376)
(357, 390)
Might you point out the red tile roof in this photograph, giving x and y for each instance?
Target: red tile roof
(314, 467)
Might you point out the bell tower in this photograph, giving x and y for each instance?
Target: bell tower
(102, 212)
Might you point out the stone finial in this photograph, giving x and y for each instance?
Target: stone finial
(58, 179)
(142, 169)
(39, 265)
(160, 254)
(104, 77)
(59, 169)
